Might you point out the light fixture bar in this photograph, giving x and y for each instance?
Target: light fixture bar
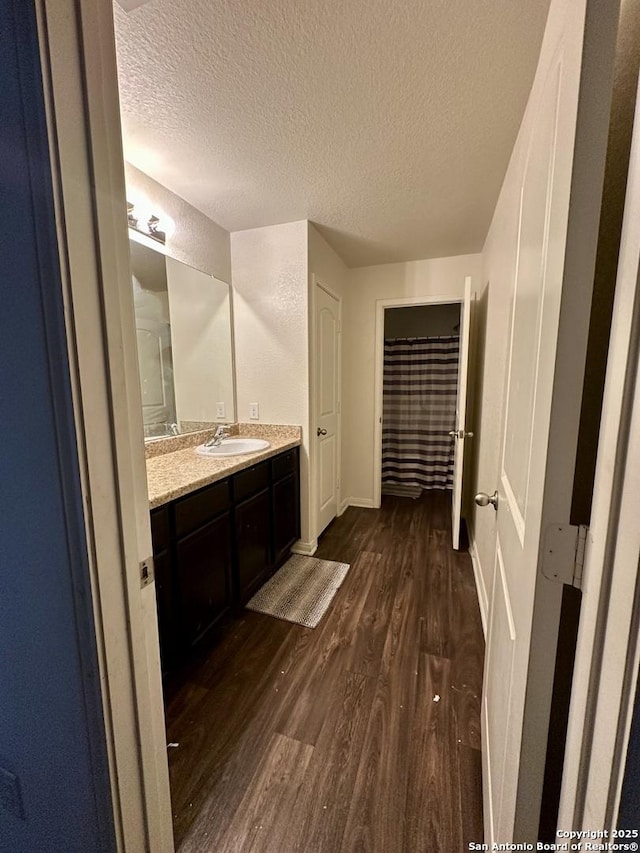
(152, 228)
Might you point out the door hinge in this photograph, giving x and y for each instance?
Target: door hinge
(338, 407)
(563, 557)
(147, 574)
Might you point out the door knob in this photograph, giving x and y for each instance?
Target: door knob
(483, 499)
(321, 431)
(460, 433)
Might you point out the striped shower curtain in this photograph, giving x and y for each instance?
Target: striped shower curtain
(419, 409)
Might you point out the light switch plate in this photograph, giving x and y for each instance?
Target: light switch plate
(220, 410)
(254, 412)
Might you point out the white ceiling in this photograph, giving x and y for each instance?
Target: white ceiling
(389, 123)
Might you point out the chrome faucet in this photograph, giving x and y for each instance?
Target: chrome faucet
(222, 432)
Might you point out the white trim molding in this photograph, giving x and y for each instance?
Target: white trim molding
(366, 503)
(608, 648)
(307, 549)
(77, 46)
(481, 589)
(381, 306)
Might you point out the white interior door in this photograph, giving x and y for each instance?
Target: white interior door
(545, 367)
(460, 435)
(327, 392)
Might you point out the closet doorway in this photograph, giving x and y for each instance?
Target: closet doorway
(421, 398)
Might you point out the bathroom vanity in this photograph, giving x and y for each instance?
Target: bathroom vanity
(221, 524)
(220, 529)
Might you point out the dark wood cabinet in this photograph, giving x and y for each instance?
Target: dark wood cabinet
(249, 482)
(195, 510)
(253, 544)
(285, 504)
(203, 571)
(285, 463)
(165, 593)
(216, 546)
(166, 613)
(286, 516)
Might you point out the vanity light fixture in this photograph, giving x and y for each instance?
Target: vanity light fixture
(148, 224)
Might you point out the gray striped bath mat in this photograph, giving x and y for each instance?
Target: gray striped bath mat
(301, 591)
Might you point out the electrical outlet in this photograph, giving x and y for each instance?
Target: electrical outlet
(220, 410)
(10, 796)
(254, 412)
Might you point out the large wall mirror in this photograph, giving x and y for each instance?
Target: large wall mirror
(183, 330)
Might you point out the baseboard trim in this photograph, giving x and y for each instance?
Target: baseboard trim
(479, 579)
(343, 506)
(366, 503)
(307, 549)
(487, 804)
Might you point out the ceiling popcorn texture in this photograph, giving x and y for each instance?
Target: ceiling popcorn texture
(389, 123)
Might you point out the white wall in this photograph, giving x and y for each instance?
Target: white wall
(197, 240)
(325, 267)
(428, 278)
(270, 307)
(270, 316)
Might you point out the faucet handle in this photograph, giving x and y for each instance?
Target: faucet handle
(222, 431)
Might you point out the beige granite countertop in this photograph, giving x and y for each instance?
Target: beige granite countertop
(176, 473)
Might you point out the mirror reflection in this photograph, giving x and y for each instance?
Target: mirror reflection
(183, 332)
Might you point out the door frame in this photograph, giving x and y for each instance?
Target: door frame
(316, 281)
(77, 47)
(608, 654)
(381, 307)
(602, 707)
(78, 55)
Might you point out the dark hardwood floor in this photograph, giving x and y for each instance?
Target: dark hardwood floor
(361, 735)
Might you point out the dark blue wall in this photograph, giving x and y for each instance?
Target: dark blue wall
(51, 728)
(629, 817)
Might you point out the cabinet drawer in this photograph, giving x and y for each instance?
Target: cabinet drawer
(197, 509)
(284, 464)
(249, 482)
(160, 536)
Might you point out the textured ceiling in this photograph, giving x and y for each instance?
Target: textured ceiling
(389, 123)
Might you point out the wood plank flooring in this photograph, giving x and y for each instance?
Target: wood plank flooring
(359, 736)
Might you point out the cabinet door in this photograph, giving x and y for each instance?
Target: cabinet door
(286, 515)
(204, 577)
(165, 605)
(253, 543)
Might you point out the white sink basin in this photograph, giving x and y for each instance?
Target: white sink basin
(234, 447)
